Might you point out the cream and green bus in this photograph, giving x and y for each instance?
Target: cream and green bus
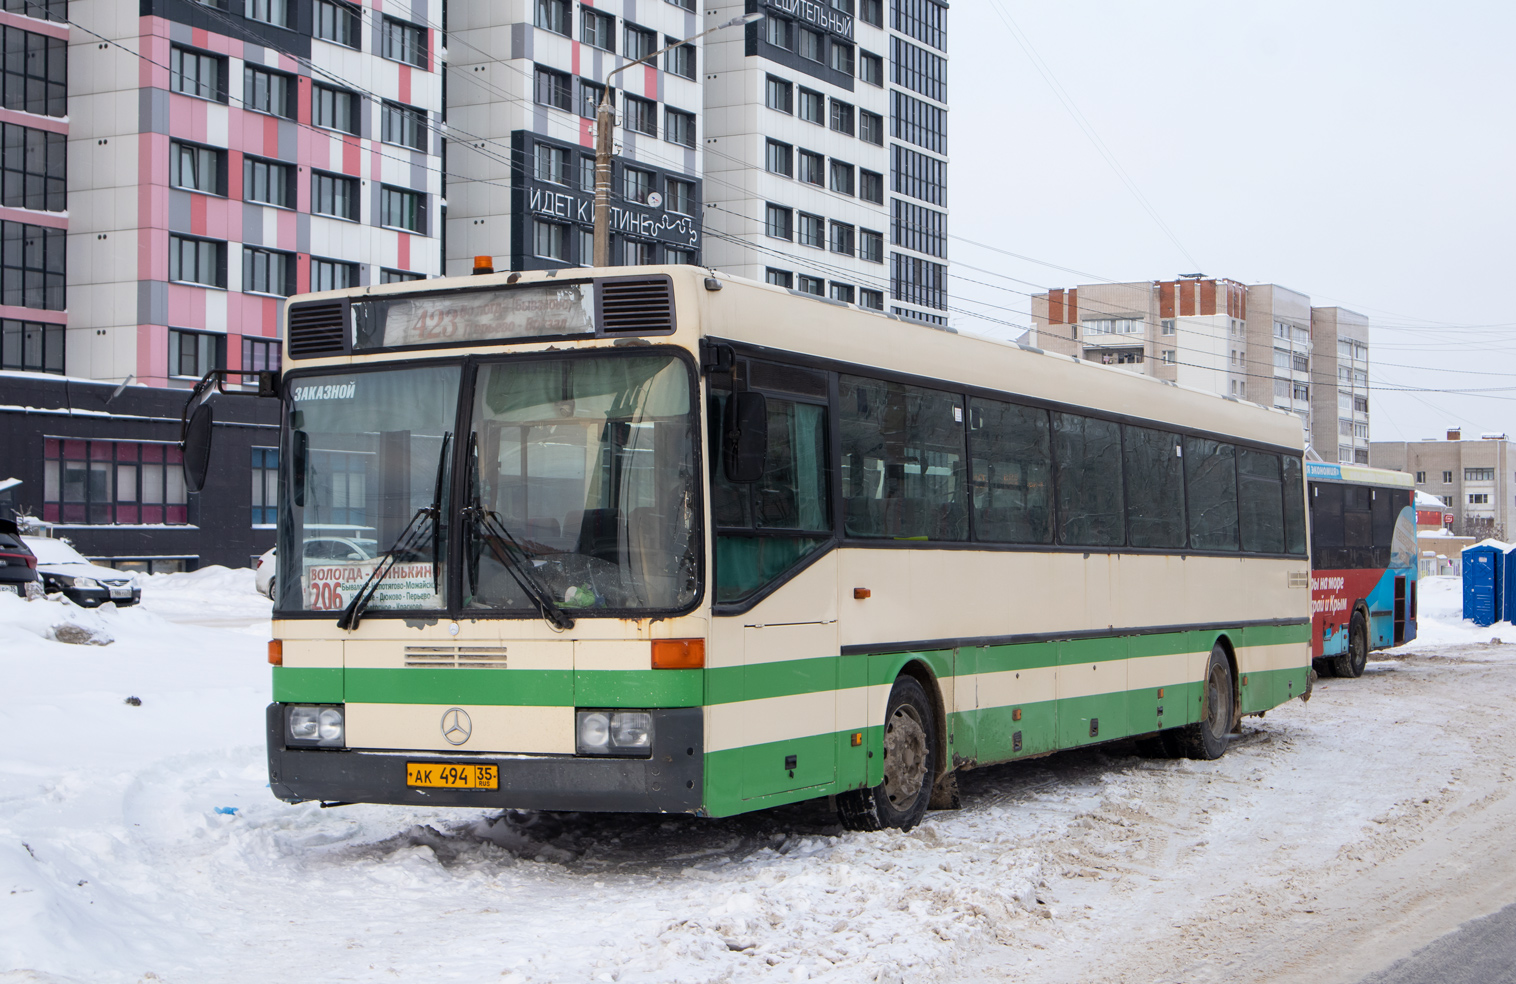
(655, 539)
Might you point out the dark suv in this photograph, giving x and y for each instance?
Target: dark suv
(18, 565)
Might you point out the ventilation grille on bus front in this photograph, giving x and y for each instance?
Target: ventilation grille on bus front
(456, 657)
(637, 306)
(317, 330)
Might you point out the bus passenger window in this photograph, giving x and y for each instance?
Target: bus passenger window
(1210, 471)
(1260, 501)
(1155, 488)
(1087, 455)
(1294, 508)
(1011, 455)
(1358, 526)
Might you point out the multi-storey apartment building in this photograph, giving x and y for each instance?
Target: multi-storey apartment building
(220, 156)
(525, 81)
(826, 151)
(1477, 479)
(1261, 342)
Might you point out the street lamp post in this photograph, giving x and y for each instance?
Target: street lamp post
(605, 123)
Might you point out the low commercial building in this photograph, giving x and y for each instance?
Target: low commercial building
(1474, 477)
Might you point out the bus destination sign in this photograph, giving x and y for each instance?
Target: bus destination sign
(503, 314)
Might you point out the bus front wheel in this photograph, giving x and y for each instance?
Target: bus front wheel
(1352, 662)
(910, 765)
(1208, 738)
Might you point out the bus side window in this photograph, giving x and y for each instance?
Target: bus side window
(1326, 527)
(1260, 501)
(1155, 488)
(1011, 455)
(1358, 526)
(1087, 459)
(1210, 471)
(1294, 508)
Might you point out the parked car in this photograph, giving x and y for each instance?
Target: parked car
(263, 574)
(18, 565)
(64, 569)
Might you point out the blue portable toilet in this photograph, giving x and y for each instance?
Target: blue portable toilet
(1509, 577)
(1482, 579)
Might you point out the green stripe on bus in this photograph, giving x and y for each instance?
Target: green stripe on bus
(525, 688)
(637, 688)
(307, 685)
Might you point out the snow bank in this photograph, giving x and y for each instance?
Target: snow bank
(210, 593)
(1439, 616)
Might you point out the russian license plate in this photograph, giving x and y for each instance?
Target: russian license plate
(121, 592)
(450, 775)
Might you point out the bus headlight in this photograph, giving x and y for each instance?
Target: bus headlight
(615, 732)
(320, 726)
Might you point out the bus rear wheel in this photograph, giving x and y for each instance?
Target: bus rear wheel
(910, 765)
(1208, 738)
(1352, 662)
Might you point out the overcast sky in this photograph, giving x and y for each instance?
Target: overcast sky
(1363, 153)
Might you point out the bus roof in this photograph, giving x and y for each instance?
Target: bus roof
(1321, 471)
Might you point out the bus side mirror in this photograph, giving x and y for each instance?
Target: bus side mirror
(197, 448)
(268, 385)
(746, 443)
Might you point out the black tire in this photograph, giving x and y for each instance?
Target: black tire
(1323, 667)
(910, 765)
(1163, 745)
(272, 595)
(1208, 738)
(1351, 663)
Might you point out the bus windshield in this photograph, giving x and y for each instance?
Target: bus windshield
(367, 453)
(581, 485)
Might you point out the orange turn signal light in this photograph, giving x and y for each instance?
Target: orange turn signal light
(857, 738)
(859, 594)
(678, 654)
(1016, 714)
(276, 652)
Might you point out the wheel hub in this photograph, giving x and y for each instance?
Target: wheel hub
(904, 756)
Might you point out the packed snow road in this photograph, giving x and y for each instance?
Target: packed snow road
(138, 841)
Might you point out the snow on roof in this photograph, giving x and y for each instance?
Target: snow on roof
(1497, 544)
(1429, 500)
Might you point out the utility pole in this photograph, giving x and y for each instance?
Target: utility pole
(605, 124)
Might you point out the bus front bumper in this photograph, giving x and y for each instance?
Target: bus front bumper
(671, 780)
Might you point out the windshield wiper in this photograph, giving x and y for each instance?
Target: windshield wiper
(500, 541)
(407, 542)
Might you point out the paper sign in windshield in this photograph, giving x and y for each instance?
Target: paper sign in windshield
(329, 587)
(474, 316)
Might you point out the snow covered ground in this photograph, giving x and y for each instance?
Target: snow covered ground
(138, 841)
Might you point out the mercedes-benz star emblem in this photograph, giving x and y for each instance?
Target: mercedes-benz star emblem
(456, 726)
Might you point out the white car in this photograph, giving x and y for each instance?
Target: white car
(64, 569)
(263, 574)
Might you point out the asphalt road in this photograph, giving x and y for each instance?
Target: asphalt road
(1479, 952)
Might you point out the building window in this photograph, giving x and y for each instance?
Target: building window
(779, 278)
(680, 196)
(842, 177)
(401, 209)
(259, 355)
(917, 281)
(268, 271)
(53, 10)
(679, 61)
(550, 240)
(778, 222)
(678, 257)
(918, 122)
(870, 68)
(197, 261)
(918, 175)
(404, 42)
(268, 182)
(641, 115)
(636, 184)
(190, 72)
(551, 88)
(337, 22)
(552, 164)
(280, 13)
(779, 94)
(779, 32)
(871, 12)
(871, 127)
(586, 247)
(31, 346)
(404, 125)
(779, 159)
(192, 354)
(918, 70)
(871, 247)
(195, 168)
(1166, 326)
(333, 274)
(1479, 498)
(812, 168)
(842, 117)
(842, 292)
(590, 95)
(922, 20)
(34, 164)
(334, 109)
(1302, 391)
(841, 58)
(639, 42)
(268, 92)
(1360, 404)
(921, 229)
(811, 285)
(812, 230)
(812, 107)
(398, 276)
(809, 44)
(842, 238)
(1479, 474)
(1421, 478)
(553, 15)
(334, 194)
(679, 127)
(871, 186)
(265, 486)
(595, 28)
(871, 299)
(1447, 478)
(639, 253)
(100, 483)
(1167, 357)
